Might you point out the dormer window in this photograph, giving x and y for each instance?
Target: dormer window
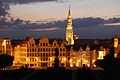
(55, 44)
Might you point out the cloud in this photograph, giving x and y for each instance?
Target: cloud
(3, 9)
(30, 1)
(46, 29)
(112, 24)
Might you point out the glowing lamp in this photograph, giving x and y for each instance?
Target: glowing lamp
(70, 60)
(4, 43)
(27, 59)
(51, 59)
(100, 55)
(36, 59)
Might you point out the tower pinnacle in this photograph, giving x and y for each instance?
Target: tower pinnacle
(69, 30)
(69, 14)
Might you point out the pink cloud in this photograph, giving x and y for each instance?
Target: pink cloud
(112, 24)
(46, 29)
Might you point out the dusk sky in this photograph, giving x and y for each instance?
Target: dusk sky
(92, 19)
(58, 9)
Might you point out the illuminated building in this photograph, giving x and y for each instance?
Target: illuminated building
(115, 46)
(102, 52)
(69, 30)
(6, 47)
(40, 55)
(80, 57)
(20, 55)
(75, 37)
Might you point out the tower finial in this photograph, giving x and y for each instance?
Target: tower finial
(69, 14)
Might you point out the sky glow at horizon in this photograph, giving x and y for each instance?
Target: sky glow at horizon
(58, 11)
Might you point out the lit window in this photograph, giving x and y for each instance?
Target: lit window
(36, 59)
(100, 55)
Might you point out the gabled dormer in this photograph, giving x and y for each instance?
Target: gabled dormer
(55, 43)
(44, 41)
(31, 42)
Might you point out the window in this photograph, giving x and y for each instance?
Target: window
(46, 59)
(46, 49)
(63, 54)
(27, 50)
(43, 44)
(32, 50)
(49, 49)
(60, 49)
(63, 49)
(43, 59)
(31, 65)
(41, 54)
(52, 54)
(35, 54)
(49, 54)
(43, 64)
(46, 44)
(52, 49)
(60, 54)
(44, 54)
(38, 54)
(43, 49)
(27, 55)
(38, 49)
(35, 50)
(55, 44)
(32, 45)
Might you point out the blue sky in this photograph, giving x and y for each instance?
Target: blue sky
(58, 10)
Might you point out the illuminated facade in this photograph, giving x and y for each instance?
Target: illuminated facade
(41, 55)
(20, 55)
(69, 30)
(6, 47)
(116, 51)
(80, 57)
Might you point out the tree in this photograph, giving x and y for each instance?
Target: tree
(6, 60)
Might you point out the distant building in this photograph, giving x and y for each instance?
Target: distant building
(75, 37)
(6, 47)
(69, 30)
(80, 57)
(116, 50)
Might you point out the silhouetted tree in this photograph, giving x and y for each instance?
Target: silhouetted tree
(6, 60)
(109, 63)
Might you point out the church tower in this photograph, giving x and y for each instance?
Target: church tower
(69, 30)
(115, 46)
